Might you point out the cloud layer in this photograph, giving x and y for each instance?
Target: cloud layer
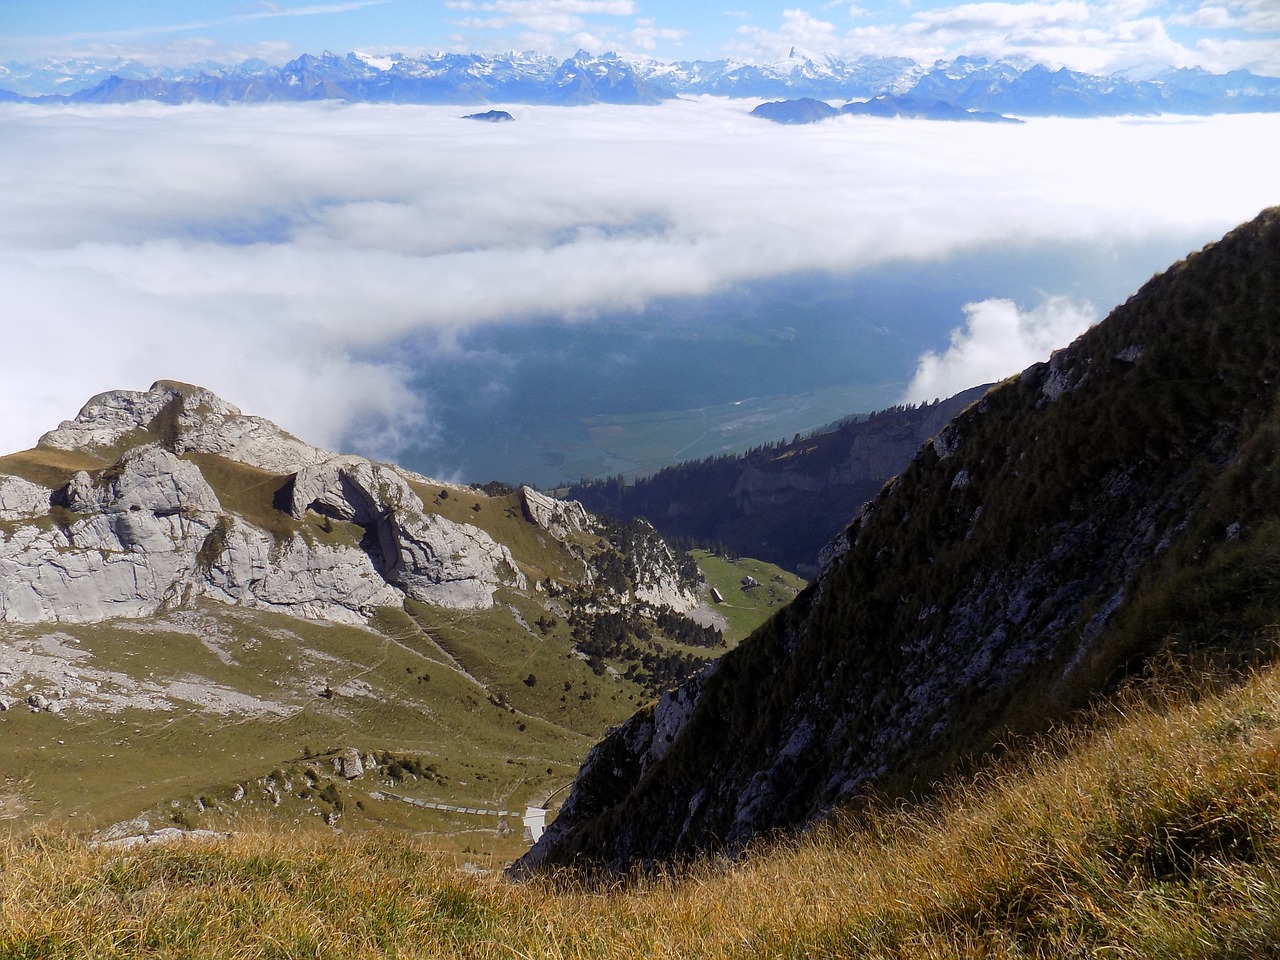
(283, 255)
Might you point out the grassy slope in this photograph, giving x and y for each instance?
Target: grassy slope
(745, 608)
(1157, 835)
(409, 692)
(450, 687)
(48, 467)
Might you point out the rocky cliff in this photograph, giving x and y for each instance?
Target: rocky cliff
(150, 500)
(1121, 499)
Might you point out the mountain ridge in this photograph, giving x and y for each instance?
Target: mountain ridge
(778, 503)
(1082, 516)
(964, 88)
(138, 526)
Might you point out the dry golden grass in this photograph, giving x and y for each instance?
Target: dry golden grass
(1157, 835)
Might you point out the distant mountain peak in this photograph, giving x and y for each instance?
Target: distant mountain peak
(1012, 86)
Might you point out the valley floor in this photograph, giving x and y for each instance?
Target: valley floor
(1155, 835)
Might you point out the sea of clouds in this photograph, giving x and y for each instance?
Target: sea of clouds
(279, 255)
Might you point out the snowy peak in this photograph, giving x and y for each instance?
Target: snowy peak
(1010, 86)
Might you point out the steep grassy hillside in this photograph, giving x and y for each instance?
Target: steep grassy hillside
(1116, 500)
(1152, 833)
(784, 501)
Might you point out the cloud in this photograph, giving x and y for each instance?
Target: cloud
(1098, 36)
(550, 16)
(550, 25)
(1253, 16)
(799, 29)
(646, 34)
(273, 11)
(998, 340)
(291, 256)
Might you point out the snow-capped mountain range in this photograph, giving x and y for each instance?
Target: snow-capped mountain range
(1002, 86)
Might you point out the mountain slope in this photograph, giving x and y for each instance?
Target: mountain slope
(779, 503)
(1154, 835)
(199, 592)
(1121, 496)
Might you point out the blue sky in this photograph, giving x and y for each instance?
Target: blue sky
(1094, 35)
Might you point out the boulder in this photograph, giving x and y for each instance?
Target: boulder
(347, 764)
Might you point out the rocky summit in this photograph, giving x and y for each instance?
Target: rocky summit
(1117, 503)
(146, 530)
(150, 500)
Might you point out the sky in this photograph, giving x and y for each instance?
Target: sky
(1099, 36)
(288, 256)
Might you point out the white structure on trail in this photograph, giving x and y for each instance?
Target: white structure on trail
(535, 823)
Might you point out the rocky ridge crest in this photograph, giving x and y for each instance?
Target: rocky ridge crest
(319, 535)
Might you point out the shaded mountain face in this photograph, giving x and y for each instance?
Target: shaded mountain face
(779, 503)
(807, 110)
(1119, 499)
(804, 110)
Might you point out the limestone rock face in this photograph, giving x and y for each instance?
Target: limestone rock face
(296, 576)
(429, 557)
(184, 418)
(132, 548)
(21, 499)
(451, 564)
(560, 518)
(146, 479)
(655, 572)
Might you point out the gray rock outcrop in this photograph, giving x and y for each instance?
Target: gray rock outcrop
(560, 518)
(347, 764)
(21, 499)
(171, 517)
(185, 419)
(150, 532)
(131, 546)
(296, 575)
(429, 557)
